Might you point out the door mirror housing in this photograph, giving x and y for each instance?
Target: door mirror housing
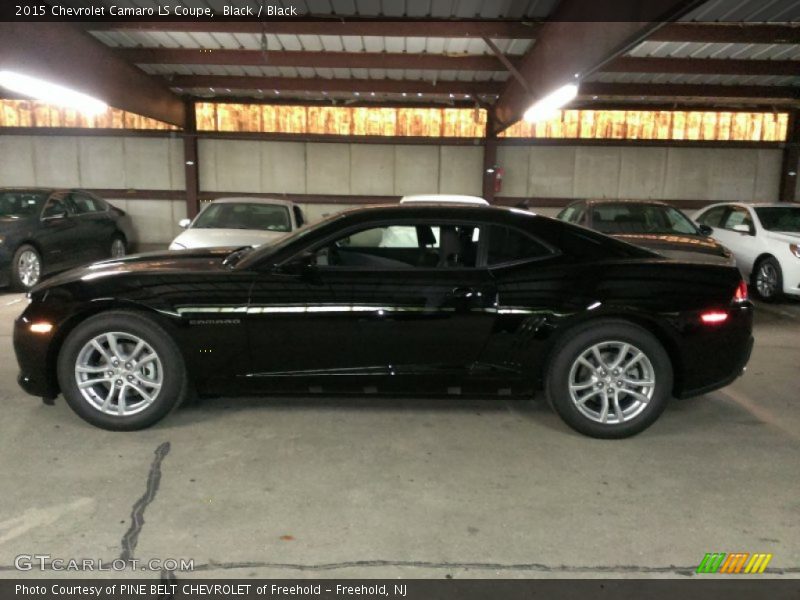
(302, 264)
(743, 228)
(184, 223)
(706, 230)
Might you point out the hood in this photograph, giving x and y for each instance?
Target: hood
(211, 238)
(784, 236)
(679, 246)
(151, 263)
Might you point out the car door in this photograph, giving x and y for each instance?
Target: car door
(743, 244)
(94, 225)
(389, 298)
(58, 235)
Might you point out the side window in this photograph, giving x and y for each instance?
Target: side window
(55, 207)
(83, 204)
(507, 245)
(568, 214)
(403, 246)
(712, 217)
(738, 216)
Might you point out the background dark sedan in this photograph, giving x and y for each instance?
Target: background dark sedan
(653, 225)
(44, 231)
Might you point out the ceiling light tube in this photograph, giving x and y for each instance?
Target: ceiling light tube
(546, 107)
(51, 93)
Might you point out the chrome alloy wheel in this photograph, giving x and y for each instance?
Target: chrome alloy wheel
(612, 382)
(117, 248)
(29, 267)
(767, 280)
(118, 374)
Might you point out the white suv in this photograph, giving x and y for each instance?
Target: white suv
(764, 238)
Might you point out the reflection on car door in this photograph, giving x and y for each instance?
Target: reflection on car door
(376, 309)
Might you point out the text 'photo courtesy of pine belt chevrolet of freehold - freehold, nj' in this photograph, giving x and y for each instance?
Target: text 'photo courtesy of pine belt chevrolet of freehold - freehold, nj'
(406, 299)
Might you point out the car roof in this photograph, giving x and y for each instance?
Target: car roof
(251, 200)
(435, 210)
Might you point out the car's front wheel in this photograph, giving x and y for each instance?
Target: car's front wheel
(610, 379)
(121, 371)
(768, 279)
(26, 268)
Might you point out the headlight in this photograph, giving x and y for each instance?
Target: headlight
(2, 239)
(795, 249)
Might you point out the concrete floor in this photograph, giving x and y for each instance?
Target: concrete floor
(398, 488)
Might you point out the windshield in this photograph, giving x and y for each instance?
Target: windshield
(240, 215)
(628, 218)
(780, 218)
(20, 205)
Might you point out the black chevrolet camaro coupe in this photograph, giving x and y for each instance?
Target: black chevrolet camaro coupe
(435, 299)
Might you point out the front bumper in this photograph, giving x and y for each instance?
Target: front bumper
(37, 373)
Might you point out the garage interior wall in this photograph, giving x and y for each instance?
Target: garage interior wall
(373, 169)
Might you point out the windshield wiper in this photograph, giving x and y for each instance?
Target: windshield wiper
(235, 256)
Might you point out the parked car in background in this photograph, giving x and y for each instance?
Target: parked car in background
(239, 222)
(764, 238)
(488, 299)
(653, 225)
(43, 231)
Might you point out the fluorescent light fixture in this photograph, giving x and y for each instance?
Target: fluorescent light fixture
(550, 104)
(51, 93)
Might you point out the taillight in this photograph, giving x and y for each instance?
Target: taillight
(741, 292)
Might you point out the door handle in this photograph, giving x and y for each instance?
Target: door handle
(464, 293)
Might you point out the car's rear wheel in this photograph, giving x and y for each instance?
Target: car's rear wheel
(768, 279)
(26, 268)
(121, 371)
(118, 247)
(610, 379)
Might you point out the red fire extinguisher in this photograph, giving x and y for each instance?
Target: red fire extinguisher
(498, 179)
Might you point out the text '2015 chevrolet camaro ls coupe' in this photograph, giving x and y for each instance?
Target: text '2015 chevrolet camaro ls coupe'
(429, 298)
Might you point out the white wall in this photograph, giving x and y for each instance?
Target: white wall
(335, 168)
(713, 174)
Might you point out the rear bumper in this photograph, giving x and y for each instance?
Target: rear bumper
(5, 268)
(737, 371)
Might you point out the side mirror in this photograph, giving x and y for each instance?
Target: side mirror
(184, 223)
(299, 265)
(706, 230)
(59, 213)
(743, 228)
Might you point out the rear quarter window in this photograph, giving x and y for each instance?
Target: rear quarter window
(509, 245)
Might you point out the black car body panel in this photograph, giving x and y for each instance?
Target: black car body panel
(66, 240)
(262, 321)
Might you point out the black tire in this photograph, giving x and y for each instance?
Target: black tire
(572, 346)
(174, 385)
(763, 292)
(112, 246)
(18, 283)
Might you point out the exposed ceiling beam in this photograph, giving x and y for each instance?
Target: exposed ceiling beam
(386, 86)
(568, 49)
(496, 29)
(669, 90)
(728, 33)
(63, 54)
(703, 66)
(329, 60)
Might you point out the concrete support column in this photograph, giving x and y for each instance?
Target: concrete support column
(191, 166)
(791, 160)
(489, 160)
